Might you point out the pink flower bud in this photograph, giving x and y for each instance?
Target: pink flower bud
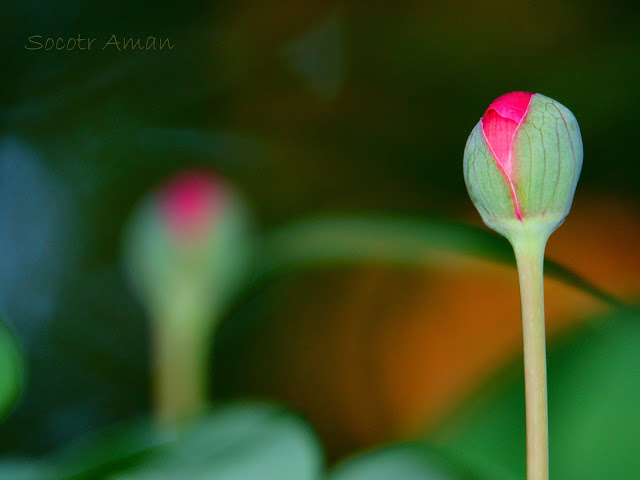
(522, 162)
(187, 247)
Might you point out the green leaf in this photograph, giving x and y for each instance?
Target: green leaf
(25, 469)
(237, 441)
(594, 419)
(113, 449)
(409, 461)
(404, 241)
(11, 370)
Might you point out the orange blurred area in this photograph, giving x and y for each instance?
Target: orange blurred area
(380, 354)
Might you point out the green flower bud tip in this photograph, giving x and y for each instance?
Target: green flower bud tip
(187, 247)
(522, 162)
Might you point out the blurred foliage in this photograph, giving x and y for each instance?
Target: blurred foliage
(11, 370)
(306, 107)
(594, 422)
(238, 442)
(409, 461)
(345, 239)
(234, 442)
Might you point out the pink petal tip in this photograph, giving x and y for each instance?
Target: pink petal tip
(189, 201)
(499, 125)
(500, 122)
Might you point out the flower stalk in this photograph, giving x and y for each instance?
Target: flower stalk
(180, 354)
(529, 252)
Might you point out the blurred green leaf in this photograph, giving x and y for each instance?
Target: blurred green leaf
(25, 469)
(594, 419)
(237, 441)
(100, 454)
(410, 242)
(401, 462)
(11, 369)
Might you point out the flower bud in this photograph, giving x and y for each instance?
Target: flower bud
(522, 162)
(187, 247)
(187, 251)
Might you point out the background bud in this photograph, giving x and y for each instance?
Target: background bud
(522, 162)
(187, 247)
(187, 252)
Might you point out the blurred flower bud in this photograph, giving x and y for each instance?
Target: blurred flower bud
(522, 162)
(187, 248)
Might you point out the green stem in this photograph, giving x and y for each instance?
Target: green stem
(529, 250)
(181, 338)
(179, 360)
